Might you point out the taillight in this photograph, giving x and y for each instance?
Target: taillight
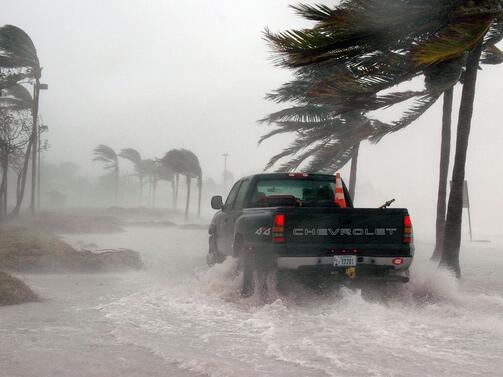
(407, 229)
(278, 228)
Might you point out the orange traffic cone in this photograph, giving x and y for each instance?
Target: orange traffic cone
(339, 192)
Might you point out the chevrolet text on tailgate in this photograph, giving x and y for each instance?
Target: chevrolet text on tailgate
(306, 223)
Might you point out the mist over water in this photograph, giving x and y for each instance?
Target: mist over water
(192, 316)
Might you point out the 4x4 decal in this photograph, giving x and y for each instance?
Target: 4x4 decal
(263, 231)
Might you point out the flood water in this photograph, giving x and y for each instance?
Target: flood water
(181, 318)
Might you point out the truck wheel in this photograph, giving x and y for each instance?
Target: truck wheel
(248, 268)
(214, 256)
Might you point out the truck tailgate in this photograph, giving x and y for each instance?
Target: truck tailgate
(328, 230)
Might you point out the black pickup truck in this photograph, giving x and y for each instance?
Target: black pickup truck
(293, 221)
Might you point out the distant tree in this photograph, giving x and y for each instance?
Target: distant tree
(174, 161)
(18, 53)
(184, 162)
(192, 170)
(161, 172)
(103, 153)
(15, 134)
(134, 157)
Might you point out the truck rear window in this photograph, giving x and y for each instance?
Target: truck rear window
(283, 192)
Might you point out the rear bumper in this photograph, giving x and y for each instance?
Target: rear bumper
(298, 262)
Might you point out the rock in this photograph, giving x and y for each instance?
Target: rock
(14, 291)
(24, 250)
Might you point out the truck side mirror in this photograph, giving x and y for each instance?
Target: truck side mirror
(217, 202)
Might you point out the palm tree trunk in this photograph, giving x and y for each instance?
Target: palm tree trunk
(445, 151)
(116, 183)
(177, 177)
(21, 180)
(188, 198)
(354, 168)
(452, 233)
(154, 191)
(173, 192)
(140, 177)
(34, 144)
(200, 184)
(4, 186)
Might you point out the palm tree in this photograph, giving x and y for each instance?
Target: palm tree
(486, 25)
(452, 232)
(157, 171)
(174, 161)
(445, 150)
(329, 128)
(490, 55)
(192, 170)
(18, 51)
(365, 38)
(107, 155)
(134, 157)
(147, 168)
(184, 162)
(14, 99)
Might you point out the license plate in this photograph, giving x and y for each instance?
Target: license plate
(344, 260)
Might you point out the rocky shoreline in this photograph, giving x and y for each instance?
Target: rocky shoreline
(14, 291)
(24, 250)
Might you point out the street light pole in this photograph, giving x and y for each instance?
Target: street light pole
(42, 128)
(34, 134)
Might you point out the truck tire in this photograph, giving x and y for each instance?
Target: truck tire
(214, 256)
(246, 261)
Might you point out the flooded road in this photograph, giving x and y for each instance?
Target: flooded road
(179, 318)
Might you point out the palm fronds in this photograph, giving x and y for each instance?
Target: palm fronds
(103, 153)
(16, 97)
(17, 49)
(349, 62)
(132, 155)
(182, 161)
(452, 41)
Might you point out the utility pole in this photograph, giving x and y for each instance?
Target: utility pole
(43, 128)
(225, 156)
(37, 86)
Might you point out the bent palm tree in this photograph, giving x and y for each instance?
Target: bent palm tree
(490, 55)
(452, 232)
(18, 51)
(445, 150)
(174, 161)
(192, 169)
(160, 172)
(134, 157)
(368, 46)
(15, 98)
(103, 153)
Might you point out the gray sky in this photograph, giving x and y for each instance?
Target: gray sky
(155, 75)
